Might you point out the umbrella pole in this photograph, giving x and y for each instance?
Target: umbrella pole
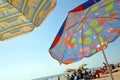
(105, 59)
(107, 65)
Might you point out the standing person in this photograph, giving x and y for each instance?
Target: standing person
(75, 76)
(68, 77)
(72, 77)
(80, 74)
(105, 66)
(85, 75)
(58, 77)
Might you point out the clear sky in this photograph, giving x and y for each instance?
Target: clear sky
(26, 57)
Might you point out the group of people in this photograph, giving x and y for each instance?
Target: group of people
(80, 74)
(87, 74)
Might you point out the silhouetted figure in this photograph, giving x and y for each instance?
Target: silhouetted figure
(58, 78)
(72, 77)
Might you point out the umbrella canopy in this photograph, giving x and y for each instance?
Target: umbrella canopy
(87, 30)
(69, 70)
(81, 66)
(21, 16)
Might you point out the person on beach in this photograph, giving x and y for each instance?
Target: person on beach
(105, 66)
(68, 77)
(58, 77)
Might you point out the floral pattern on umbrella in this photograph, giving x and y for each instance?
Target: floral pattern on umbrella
(78, 36)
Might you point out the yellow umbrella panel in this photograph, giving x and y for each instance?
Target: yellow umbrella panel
(81, 66)
(21, 16)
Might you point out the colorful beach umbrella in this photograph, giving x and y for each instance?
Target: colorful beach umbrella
(22, 16)
(87, 30)
(69, 70)
(81, 66)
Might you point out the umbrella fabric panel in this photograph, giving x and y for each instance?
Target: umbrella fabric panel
(12, 22)
(6, 10)
(105, 19)
(35, 10)
(73, 18)
(21, 16)
(77, 9)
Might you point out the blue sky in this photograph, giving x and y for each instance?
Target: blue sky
(26, 57)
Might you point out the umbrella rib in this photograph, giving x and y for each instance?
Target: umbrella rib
(91, 28)
(82, 39)
(81, 19)
(82, 26)
(62, 55)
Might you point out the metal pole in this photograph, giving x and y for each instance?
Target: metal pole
(105, 58)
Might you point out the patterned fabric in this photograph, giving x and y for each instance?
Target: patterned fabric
(21, 16)
(84, 28)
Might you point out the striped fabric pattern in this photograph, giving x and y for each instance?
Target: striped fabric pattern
(21, 16)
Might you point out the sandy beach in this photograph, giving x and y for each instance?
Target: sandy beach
(116, 76)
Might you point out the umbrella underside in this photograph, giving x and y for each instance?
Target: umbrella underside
(80, 34)
(21, 16)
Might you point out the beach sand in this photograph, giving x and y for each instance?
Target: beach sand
(116, 76)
